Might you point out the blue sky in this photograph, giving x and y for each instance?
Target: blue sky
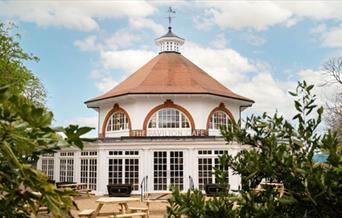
(257, 49)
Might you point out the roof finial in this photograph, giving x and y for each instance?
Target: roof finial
(170, 17)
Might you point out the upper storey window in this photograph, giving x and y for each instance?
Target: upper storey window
(118, 121)
(218, 119)
(168, 118)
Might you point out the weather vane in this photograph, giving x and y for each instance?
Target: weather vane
(170, 17)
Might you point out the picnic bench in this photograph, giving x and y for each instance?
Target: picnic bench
(122, 202)
(81, 188)
(86, 213)
(156, 196)
(139, 214)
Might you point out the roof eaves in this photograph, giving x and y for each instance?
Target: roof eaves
(176, 93)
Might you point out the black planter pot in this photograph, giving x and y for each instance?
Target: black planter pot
(63, 183)
(119, 190)
(213, 189)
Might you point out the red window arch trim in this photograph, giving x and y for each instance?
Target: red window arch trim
(223, 108)
(116, 108)
(168, 104)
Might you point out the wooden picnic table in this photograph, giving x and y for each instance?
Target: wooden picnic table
(81, 188)
(121, 201)
(156, 196)
(74, 186)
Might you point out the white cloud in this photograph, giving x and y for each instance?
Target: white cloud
(104, 80)
(270, 94)
(242, 14)
(105, 76)
(120, 39)
(127, 60)
(261, 15)
(253, 39)
(106, 84)
(219, 42)
(88, 44)
(292, 21)
(243, 76)
(73, 14)
(144, 23)
(317, 10)
(319, 29)
(223, 64)
(333, 37)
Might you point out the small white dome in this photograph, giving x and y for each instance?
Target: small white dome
(169, 42)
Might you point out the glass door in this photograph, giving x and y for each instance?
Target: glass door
(168, 170)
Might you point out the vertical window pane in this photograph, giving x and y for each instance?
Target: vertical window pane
(66, 170)
(118, 121)
(168, 118)
(115, 171)
(47, 167)
(205, 172)
(132, 172)
(218, 119)
(89, 172)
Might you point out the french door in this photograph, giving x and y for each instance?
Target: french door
(168, 170)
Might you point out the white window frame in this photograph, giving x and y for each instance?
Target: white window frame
(212, 123)
(69, 174)
(212, 155)
(48, 167)
(110, 121)
(122, 156)
(168, 170)
(88, 175)
(180, 122)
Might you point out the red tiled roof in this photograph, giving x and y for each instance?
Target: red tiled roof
(170, 73)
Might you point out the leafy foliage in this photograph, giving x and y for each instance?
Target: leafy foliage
(13, 72)
(193, 204)
(25, 134)
(281, 152)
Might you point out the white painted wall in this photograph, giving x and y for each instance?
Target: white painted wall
(146, 149)
(138, 108)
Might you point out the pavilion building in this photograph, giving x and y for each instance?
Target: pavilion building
(160, 126)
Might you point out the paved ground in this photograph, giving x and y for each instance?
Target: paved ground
(157, 210)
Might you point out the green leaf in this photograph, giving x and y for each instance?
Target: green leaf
(298, 106)
(293, 94)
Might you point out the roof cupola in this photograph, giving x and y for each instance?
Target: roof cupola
(169, 42)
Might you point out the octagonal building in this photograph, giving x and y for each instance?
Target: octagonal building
(156, 129)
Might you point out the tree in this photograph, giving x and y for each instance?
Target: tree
(35, 92)
(281, 152)
(333, 70)
(13, 72)
(25, 135)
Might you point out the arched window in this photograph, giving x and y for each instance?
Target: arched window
(168, 118)
(218, 118)
(118, 121)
